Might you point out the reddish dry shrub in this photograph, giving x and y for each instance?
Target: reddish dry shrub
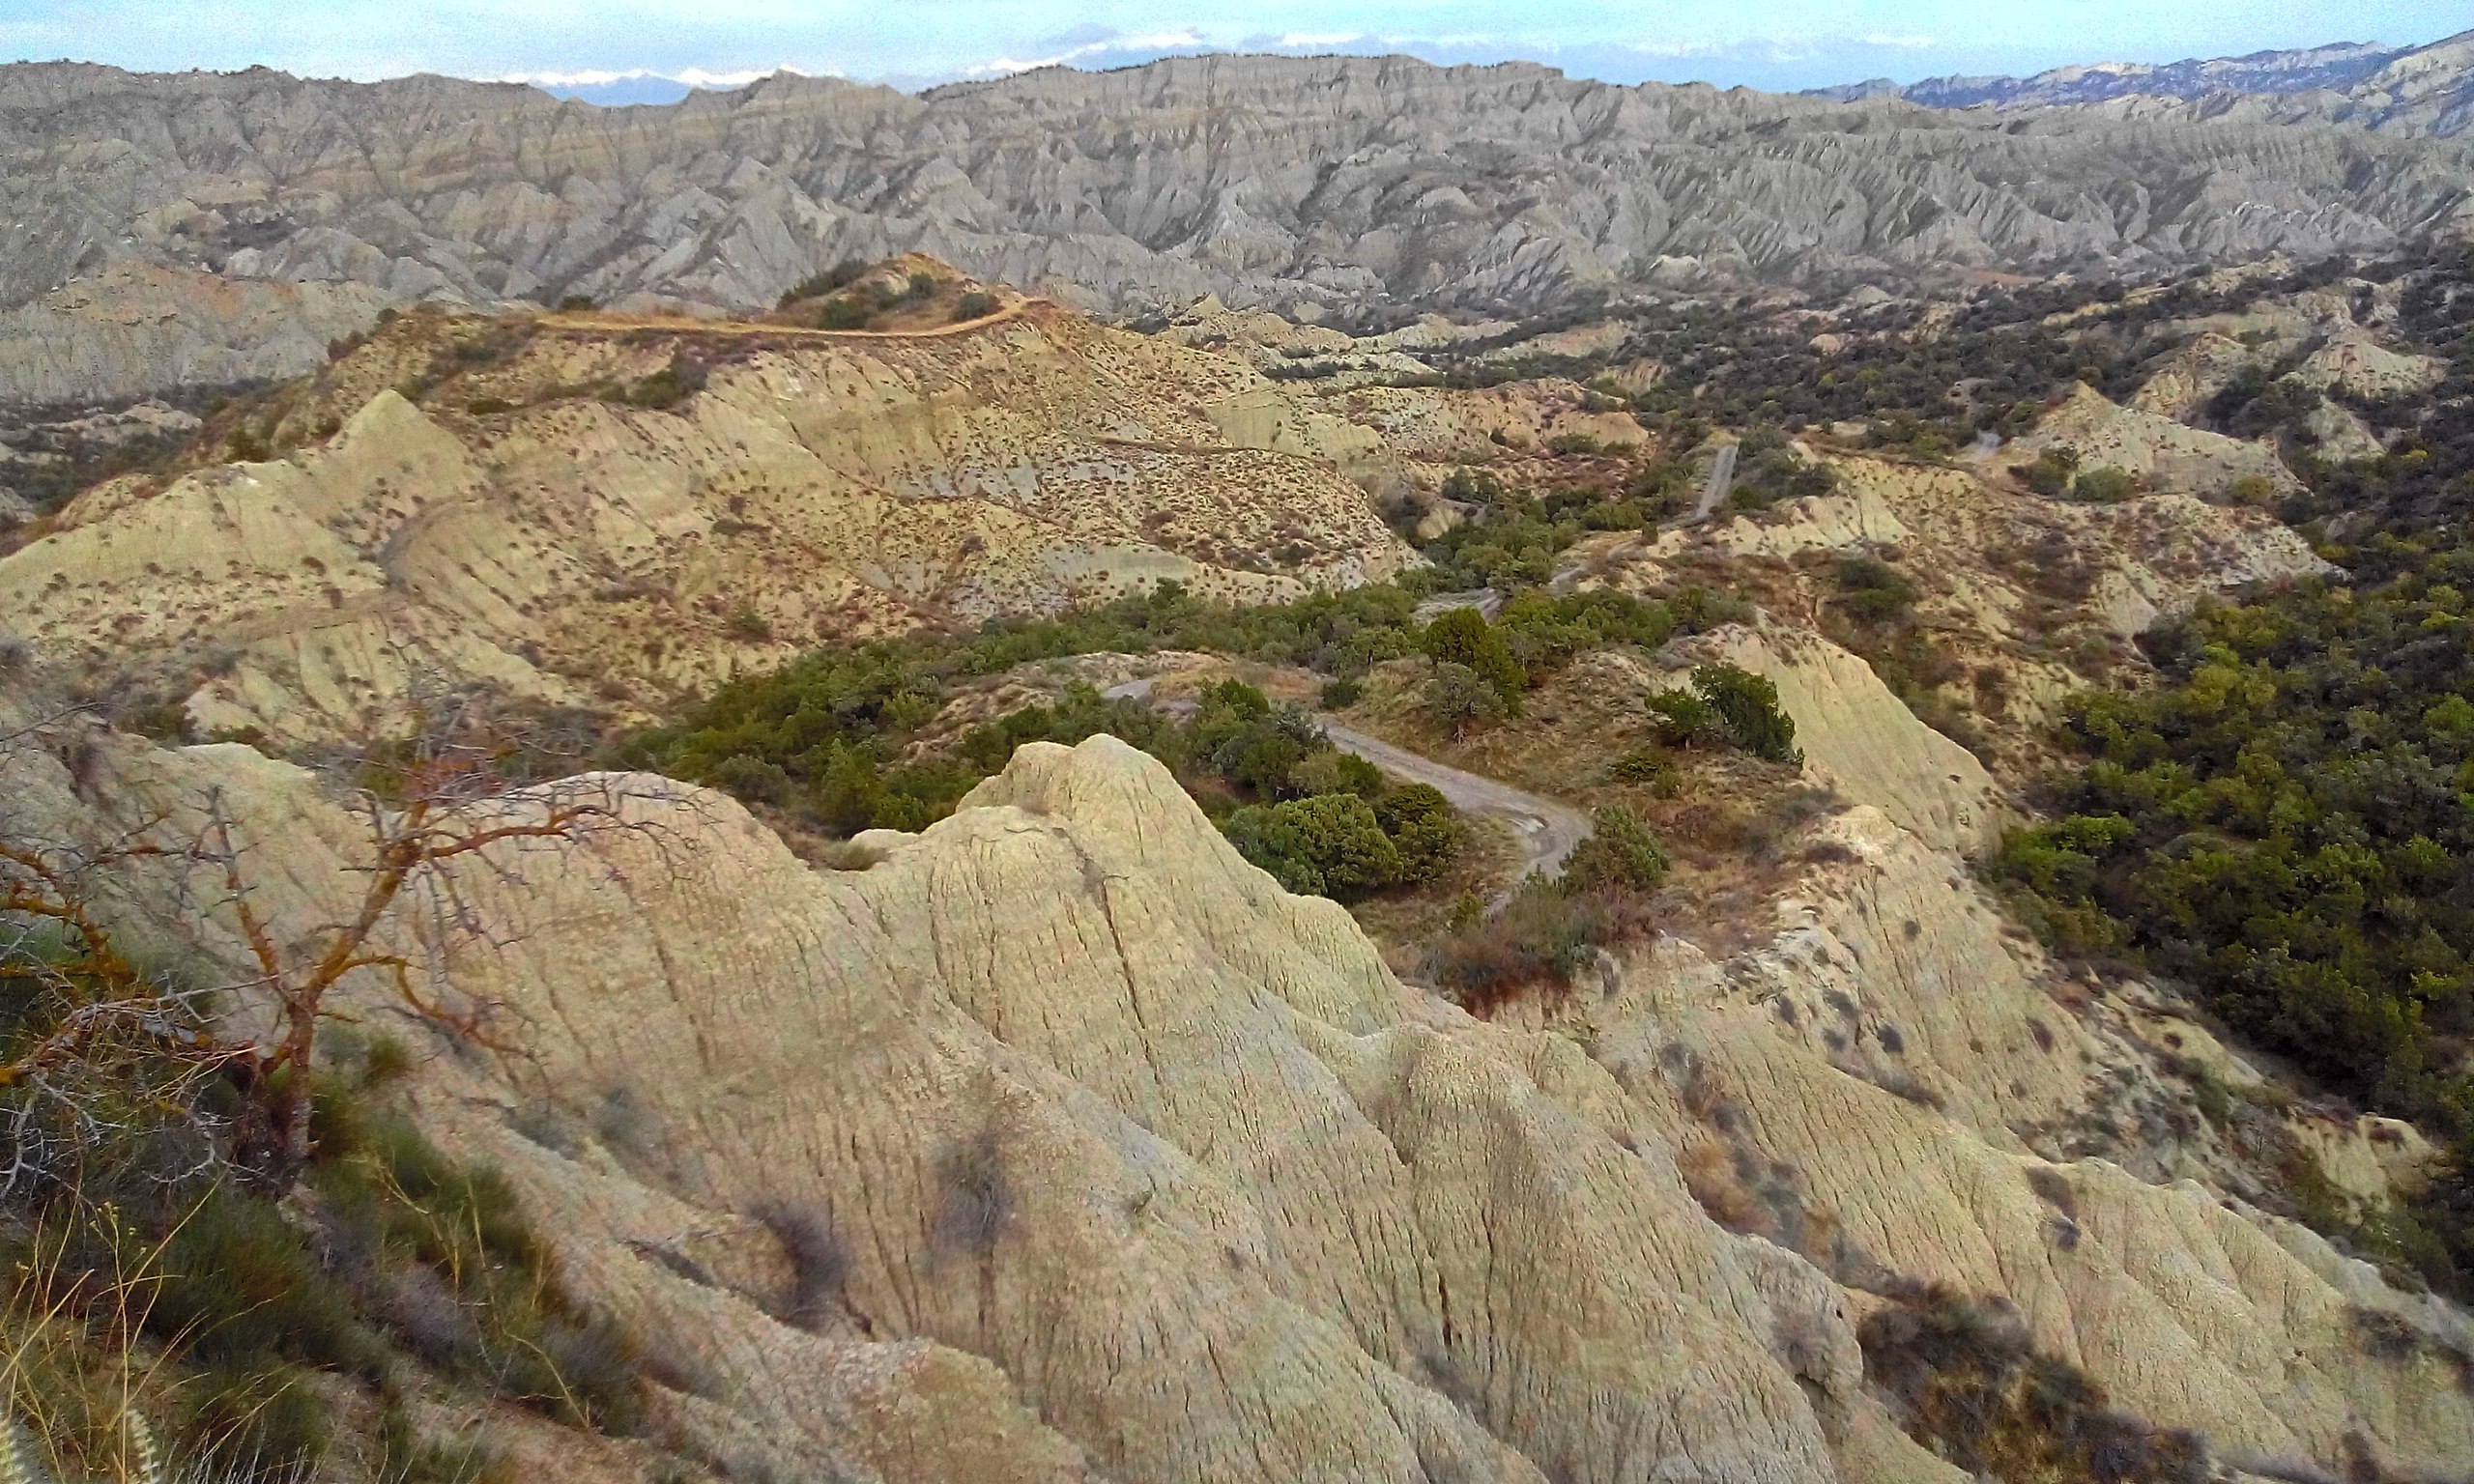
(1536, 943)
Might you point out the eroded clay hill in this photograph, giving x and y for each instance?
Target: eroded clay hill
(2017, 601)
(591, 508)
(1134, 1166)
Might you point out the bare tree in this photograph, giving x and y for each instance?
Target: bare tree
(439, 809)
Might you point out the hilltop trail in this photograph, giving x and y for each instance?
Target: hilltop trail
(600, 324)
(1547, 830)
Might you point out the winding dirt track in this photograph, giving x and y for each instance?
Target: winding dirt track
(598, 323)
(1547, 830)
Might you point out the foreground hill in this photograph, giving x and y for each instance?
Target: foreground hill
(1113, 1161)
(132, 200)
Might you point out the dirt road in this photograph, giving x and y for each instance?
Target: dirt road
(1721, 482)
(1547, 830)
(601, 324)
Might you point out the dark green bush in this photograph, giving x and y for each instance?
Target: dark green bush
(1621, 851)
(1747, 709)
(1329, 770)
(1426, 831)
(672, 384)
(1462, 636)
(239, 1289)
(1681, 718)
(268, 1424)
(1652, 768)
(2049, 475)
(1328, 845)
(1458, 696)
(1542, 937)
(2102, 486)
(817, 285)
(1872, 590)
(845, 313)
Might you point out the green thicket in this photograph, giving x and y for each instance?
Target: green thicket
(1516, 534)
(1325, 822)
(2287, 826)
(821, 739)
(2288, 823)
(1928, 393)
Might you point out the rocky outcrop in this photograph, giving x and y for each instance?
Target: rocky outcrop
(1110, 1159)
(2353, 362)
(2166, 454)
(137, 328)
(519, 528)
(1508, 186)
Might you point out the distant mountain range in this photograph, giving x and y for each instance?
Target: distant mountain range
(184, 229)
(2418, 90)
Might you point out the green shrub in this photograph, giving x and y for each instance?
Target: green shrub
(1872, 590)
(974, 306)
(817, 285)
(1339, 695)
(2049, 475)
(844, 314)
(672, 384)
(268, 1424)
(1747, 709)
(1621, 851)
(1332, 771)
(1330, 845)
(1461, 636)
(1680, 717)
(1542, 937)
(1460, 697)
(1426, 831)
(239, 1289)
(1652, 768)
(2102, 486)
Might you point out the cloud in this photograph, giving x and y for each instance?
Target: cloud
(691, 77)
(1110, 45)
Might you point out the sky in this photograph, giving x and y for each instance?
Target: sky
(626, 50)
